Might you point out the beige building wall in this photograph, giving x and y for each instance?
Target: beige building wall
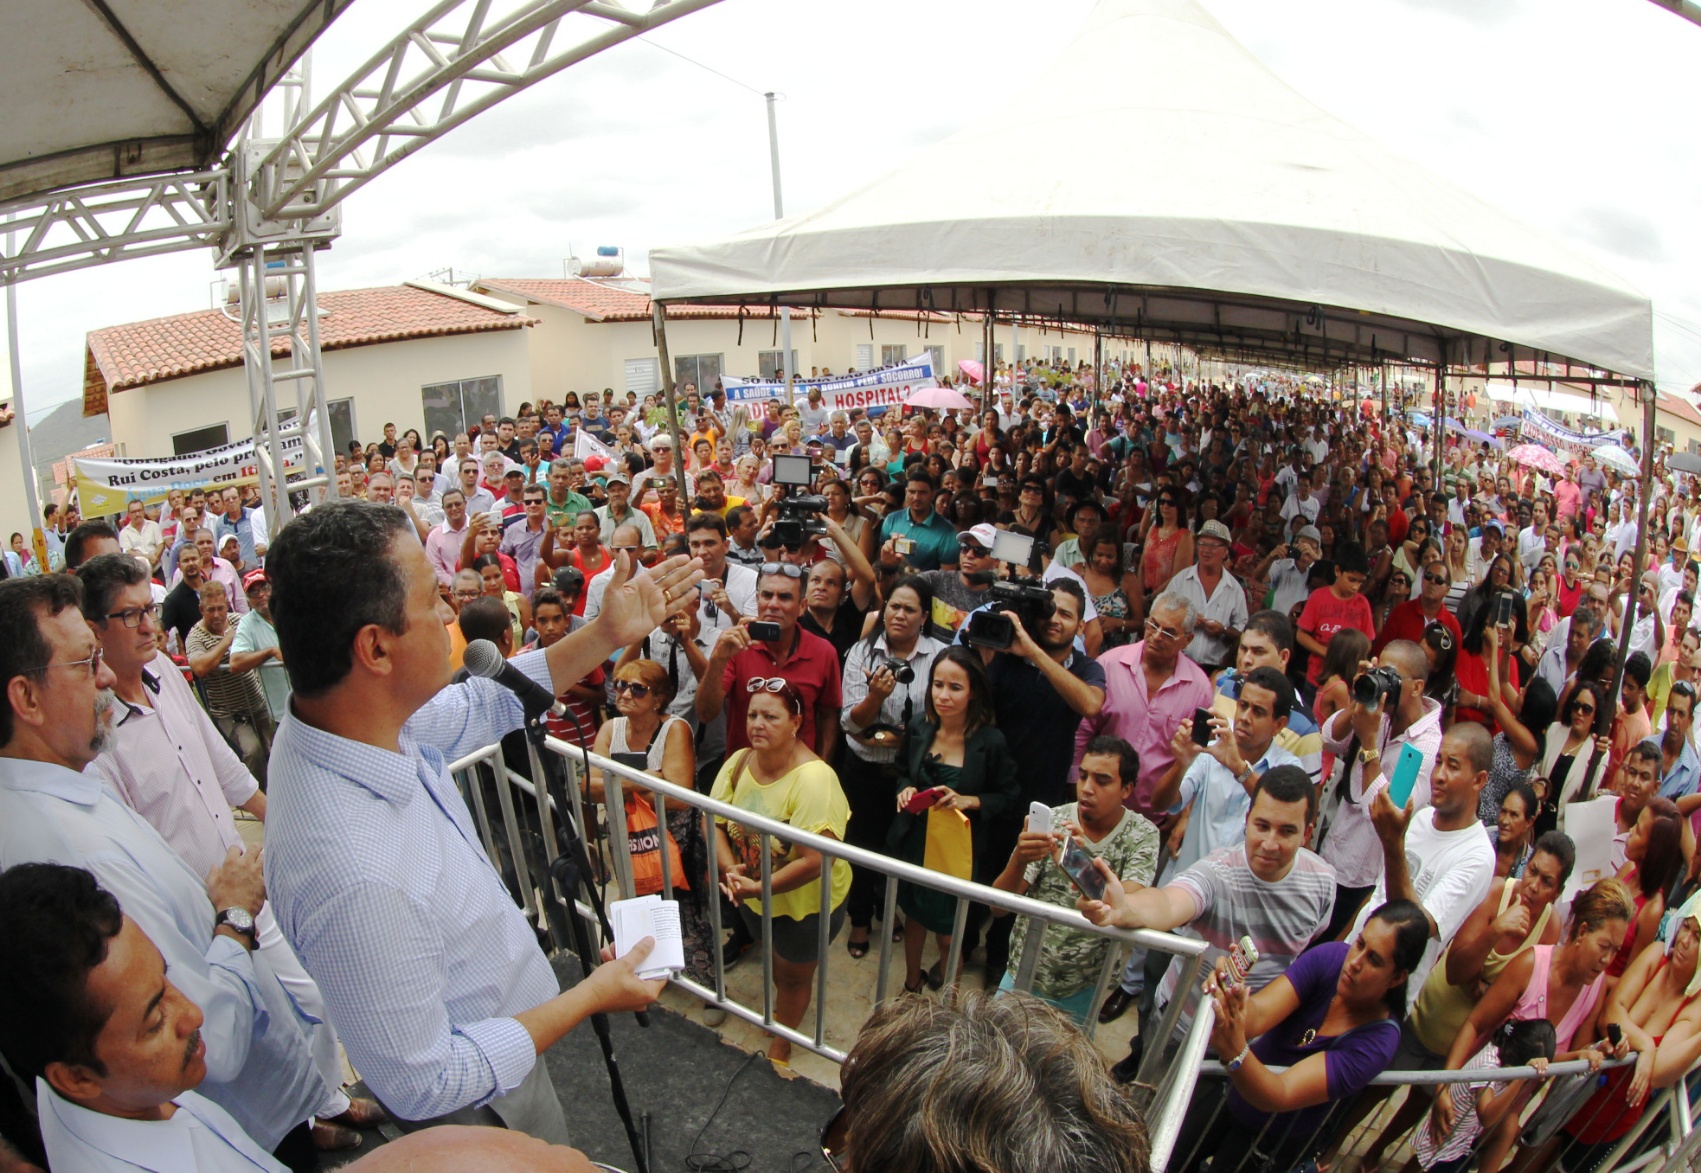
(14, 509)
(384, 381)
(571, 353)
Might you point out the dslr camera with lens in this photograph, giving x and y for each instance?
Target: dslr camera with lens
(799, 511)
(1371, 688)
(901, 671)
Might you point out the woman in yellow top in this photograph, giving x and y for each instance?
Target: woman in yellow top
(780, 778)
(489, 568)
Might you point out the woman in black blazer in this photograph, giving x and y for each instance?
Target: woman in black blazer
(955, 760)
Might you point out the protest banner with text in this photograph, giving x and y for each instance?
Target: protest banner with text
(873, 390)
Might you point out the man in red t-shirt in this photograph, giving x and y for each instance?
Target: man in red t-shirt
(806, 661)
(1408, 620)
(1334, 607)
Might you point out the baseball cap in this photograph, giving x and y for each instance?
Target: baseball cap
(1494, 523)
(252, 577)
(595, 463)
(569, 578)
(983, 534)
(1216, 529)
(617, 475)
(1304, 531)
(515, 472)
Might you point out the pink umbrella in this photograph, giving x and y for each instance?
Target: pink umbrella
(939, 398)
(1537, 457)
(972, 369)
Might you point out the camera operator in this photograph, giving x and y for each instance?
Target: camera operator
(1042, 687)
(958, 592)
(1388, 711)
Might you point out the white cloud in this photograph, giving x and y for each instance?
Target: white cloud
(1567, 112)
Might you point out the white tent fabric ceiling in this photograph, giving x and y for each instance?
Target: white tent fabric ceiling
(1186, 194)
(100, 89)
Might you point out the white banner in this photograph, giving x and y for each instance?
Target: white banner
(105, 485)
(586, 446)
(881, 388)
(1539, 427)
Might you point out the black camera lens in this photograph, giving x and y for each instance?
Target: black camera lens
(901, 671)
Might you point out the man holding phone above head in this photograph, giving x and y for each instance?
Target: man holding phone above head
(1436, 855)
(1102, 828)
(1271, 888)
(1388, 713)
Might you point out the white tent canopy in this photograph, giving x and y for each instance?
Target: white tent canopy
(1542, 399)
(1187, 195)
(131, 87)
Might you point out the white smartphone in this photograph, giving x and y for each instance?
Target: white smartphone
(1039, 818)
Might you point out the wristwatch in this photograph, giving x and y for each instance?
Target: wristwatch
(1235, 1063)
(1367, 754)
(239, 919)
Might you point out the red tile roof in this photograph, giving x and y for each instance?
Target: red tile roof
(135, 355)
(623, 299)
(1680, 408)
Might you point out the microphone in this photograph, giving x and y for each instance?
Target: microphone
(483, 659)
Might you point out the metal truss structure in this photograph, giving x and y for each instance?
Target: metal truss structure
(275, 199)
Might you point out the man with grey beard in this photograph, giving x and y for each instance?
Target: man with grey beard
(56, 718)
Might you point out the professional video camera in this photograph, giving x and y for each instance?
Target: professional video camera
(799, 510)
(1030, 601)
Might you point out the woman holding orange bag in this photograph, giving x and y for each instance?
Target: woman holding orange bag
(958, 774)
(642, 691)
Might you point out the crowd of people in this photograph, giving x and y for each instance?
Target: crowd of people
(1281, 672)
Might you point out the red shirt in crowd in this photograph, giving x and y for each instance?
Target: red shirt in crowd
(1325, 614)
(812, 668)
(1407, 621)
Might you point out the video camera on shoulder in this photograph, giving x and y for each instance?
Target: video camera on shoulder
(1030, 602)
(799, 510)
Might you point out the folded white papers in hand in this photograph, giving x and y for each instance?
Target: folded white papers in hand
(649, 916)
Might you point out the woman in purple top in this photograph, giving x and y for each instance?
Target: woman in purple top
(1332, 1020)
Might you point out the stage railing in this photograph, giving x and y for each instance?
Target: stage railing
(520, 837)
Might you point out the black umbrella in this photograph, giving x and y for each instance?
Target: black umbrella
(1684, 462)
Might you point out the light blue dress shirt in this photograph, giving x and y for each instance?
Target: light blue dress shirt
(1219, 803)
(380, 883)
(1684, 774)
(259, 1059)
(200, 1137)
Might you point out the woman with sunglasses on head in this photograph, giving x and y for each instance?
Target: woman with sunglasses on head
(642, 691)
(956, 762)
(779, 777)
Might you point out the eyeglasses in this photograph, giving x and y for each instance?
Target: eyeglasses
(1580, 707)
(94, 660)
(789, 569)
(1152, 629)
(639, 691)
(765, 684)
(1438, 579)
(132, 616)
(972, 547)
(1683, 688)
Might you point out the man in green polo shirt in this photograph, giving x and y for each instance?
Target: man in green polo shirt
(918, 535)
(562, 504)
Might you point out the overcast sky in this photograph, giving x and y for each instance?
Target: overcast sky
(1572, 113)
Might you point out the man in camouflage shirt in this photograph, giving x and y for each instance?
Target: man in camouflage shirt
(1070, 960)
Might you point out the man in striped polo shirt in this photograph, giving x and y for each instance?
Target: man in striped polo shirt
(1270, 888)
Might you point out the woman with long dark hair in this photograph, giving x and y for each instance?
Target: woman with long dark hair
(1653, 857)
(1332, 1020)
(885, 678)
(955, 757)
(1565, 759)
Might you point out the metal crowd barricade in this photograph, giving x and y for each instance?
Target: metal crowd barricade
(1635, 1150)
(1168, 1090)
(1166, 1080)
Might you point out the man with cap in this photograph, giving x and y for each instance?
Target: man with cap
(1485, 548)
(1216, 595)
(256, 645)
(958, 592)
(619, 511)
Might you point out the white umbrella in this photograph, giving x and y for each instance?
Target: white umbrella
(1613, 457)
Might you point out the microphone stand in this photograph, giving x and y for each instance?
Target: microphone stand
(566, 875)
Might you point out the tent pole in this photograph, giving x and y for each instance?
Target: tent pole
(1098, 369)
(988, 368)
(26, 455)
(1440, 416)
(658, 315)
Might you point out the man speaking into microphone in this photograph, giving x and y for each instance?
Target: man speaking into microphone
(430, 973)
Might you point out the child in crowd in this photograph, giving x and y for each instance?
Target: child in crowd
(1519, 1043)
